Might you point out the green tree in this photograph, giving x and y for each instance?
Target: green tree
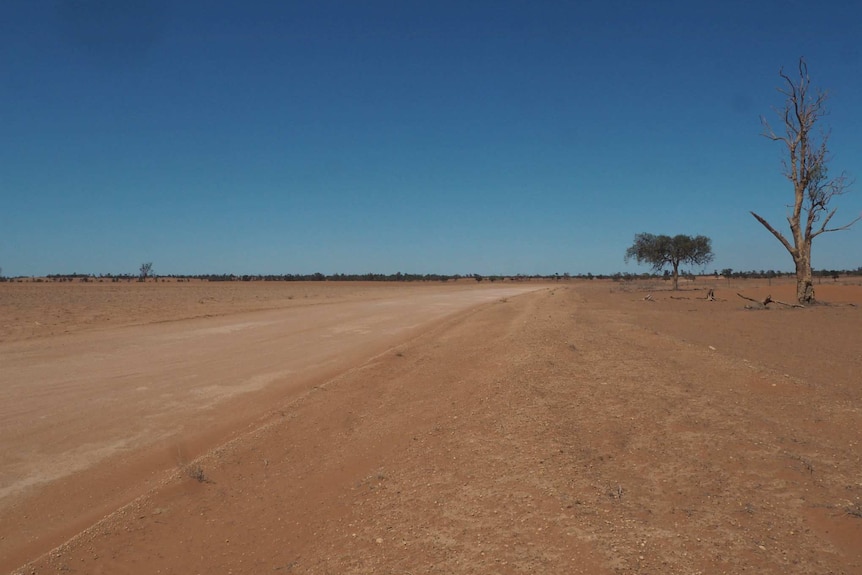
(660, 251)
(806, 166)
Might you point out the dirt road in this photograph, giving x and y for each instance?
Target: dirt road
(159, 391)
(575, 429)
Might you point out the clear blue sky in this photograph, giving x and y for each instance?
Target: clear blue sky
(416, 136)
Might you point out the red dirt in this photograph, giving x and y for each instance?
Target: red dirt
(577, 429)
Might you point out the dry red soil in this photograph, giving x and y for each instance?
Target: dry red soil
(573, 427)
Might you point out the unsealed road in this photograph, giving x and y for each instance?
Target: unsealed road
(69, 403)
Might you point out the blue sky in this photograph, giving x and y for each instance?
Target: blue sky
(415, 136)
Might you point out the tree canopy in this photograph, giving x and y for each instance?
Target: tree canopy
(659, 251)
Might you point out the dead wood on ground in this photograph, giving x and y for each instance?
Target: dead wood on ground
(766, 301)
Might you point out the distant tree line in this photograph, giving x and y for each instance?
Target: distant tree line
(224, 277)
(367, 277)
(319, 277)
(725, 273)
(769, 274)
(406, 277)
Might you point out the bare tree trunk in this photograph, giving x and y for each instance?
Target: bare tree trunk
(675, 277)
(804, 282)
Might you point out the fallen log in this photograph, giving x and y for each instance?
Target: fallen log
(768, 300)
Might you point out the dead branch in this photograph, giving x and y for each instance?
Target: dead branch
(778, 235)
(768, 300)
(788, 304)
(823, 229)
(836, 304)
(764, 303)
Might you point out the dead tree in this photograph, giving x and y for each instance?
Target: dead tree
(145, 271)
(805, 166)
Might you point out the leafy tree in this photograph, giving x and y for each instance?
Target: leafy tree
(659, 251)
(806, 166)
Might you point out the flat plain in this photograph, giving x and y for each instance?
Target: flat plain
(566, 427)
